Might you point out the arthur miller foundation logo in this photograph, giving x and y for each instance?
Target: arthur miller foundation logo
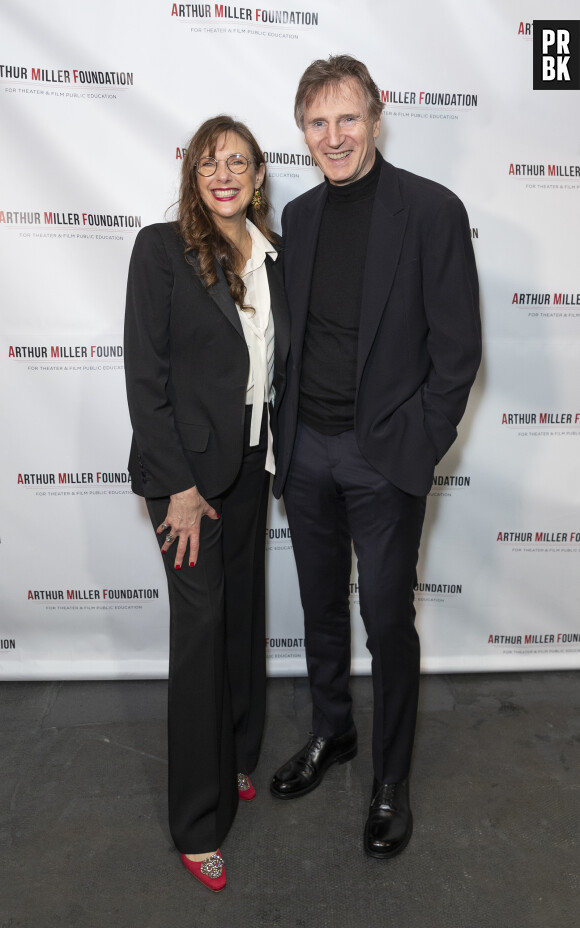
(224, 18)
(427, 104)
(433, 591)
(445, 484)
(73, 76)
(284, 647)
(429, 98)
(546, 638)
(561, 541)
(569, 419)
(226, 11)
(64, 352)
(554, 304)
(94, 358)
(101, 595)
(15, 218)
(78, 83)
(554, 298)
(556, 54)
(70, 478)
(278, 538)
(544, 171)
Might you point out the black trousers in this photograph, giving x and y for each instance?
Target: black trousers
(334, 498)
(217, 668)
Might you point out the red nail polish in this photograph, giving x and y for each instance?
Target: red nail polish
(177, 566)
(192, 563)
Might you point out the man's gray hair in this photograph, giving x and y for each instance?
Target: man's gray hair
(322, 75)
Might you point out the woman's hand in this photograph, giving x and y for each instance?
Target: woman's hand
(183, 521)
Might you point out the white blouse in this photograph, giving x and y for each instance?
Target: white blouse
(258, 331)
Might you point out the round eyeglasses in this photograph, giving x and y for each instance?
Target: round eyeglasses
(237, 164)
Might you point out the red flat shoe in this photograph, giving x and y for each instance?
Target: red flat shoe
(245, 789)
(211, 871)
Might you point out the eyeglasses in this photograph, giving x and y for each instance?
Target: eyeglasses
(237, 164)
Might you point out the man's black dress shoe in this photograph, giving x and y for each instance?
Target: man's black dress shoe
(390, 824)
(304, 772)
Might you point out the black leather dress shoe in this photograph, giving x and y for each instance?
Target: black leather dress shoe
(390, 824)
(305, 771)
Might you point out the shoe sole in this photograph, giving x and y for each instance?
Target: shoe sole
(386, 855)
(211, 889)
(342, 759)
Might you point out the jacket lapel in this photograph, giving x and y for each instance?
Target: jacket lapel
(220, 294)
(386, 233)
(299, 265)
(280, 314)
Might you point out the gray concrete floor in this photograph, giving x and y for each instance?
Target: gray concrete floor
(495, 792)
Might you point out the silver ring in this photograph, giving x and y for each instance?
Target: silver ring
(169, 538)
(164, 526)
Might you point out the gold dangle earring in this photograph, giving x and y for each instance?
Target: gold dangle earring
(257, 199)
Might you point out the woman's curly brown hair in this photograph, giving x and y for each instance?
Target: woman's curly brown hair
(196, 223)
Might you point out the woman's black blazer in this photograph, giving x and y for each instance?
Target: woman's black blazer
(186, 366)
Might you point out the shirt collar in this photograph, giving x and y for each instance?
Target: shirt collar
(260, 248)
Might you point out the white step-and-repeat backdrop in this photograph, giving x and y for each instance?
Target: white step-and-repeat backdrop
(96, 102)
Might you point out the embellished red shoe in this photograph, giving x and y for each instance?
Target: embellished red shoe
(211, 871)
(245, 789)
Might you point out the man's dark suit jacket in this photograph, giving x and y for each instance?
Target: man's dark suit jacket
(419, 337)
(187, 364)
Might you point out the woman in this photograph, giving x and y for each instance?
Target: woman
(204, 298)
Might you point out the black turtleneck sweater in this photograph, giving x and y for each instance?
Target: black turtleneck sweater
(328, 381)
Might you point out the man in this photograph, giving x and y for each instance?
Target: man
(385, 344)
